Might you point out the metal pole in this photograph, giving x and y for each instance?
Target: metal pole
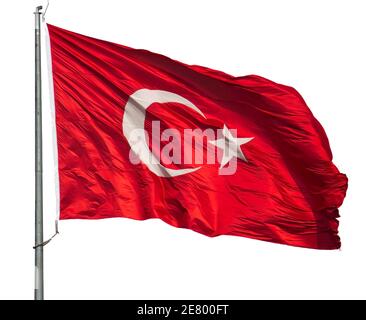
(38, 288)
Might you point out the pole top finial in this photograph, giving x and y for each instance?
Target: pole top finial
(38, 9)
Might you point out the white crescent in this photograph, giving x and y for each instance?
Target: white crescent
(134, 119)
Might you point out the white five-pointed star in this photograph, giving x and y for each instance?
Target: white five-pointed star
(230, 146)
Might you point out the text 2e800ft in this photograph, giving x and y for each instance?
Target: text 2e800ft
(206, 309)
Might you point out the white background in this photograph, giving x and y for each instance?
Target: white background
(316, 46)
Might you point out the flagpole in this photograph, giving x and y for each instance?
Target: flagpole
(38, 285)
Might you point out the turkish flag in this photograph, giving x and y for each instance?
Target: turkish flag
(258, 165)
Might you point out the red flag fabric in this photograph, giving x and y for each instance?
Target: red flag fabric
(280, 184)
